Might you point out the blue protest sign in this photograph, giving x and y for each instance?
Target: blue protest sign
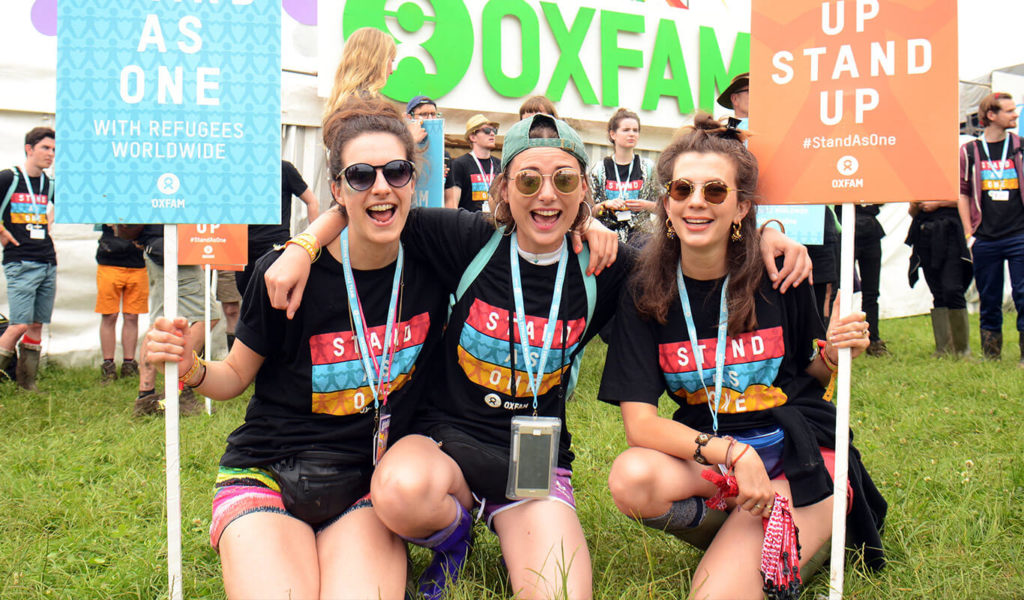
(169, 112)
(430, 179)
(804, 222)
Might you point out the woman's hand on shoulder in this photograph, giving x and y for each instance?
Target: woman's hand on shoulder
(796, 265)
(286, 279)
(603, 242)
(851, 332)
(169, 341)
(756, 493)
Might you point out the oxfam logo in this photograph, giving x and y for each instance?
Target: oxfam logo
(434, 37)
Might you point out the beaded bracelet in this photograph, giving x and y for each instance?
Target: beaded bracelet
(309, 243)
(702, 440)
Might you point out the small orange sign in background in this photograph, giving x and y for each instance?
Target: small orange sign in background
(205, 244)
(854, 100)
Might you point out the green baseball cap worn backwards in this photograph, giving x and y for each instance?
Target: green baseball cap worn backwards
(518, 139)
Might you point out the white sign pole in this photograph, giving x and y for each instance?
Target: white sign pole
(171, 421)
(206, 323)
(842, 413)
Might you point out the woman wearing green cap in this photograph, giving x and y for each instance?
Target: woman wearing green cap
(493, 431)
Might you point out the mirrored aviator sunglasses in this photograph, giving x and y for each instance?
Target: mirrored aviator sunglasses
(361, 176)
(714, 191)
(528, 181)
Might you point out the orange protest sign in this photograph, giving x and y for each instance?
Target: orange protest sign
(204, 244)
(854, 100)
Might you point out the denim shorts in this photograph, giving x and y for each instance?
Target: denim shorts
(31, 288)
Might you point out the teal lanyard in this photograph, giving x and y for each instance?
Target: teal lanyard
(1002, 161)
(698, 355)
(549, 328)
(383, 368)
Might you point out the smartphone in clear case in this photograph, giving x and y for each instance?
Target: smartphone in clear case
(533, 456)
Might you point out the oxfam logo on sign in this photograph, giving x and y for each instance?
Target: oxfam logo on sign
(434, 38)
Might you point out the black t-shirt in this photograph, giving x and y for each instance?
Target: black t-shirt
(764, 368)
(113, 251)
(474, 392)
(474, 181)
(449, 179)
(311, 391)
(26, 218)
(261, 236)
(1002, 212)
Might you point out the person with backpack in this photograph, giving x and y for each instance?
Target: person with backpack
(30, 260)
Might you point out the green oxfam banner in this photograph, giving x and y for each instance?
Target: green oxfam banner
(589, 56)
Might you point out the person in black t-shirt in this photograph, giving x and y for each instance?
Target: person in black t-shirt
(625, 188)
(30, 261)
(264, 237)
(699, 299)
(292, 495)
(991, 209)
(473, 172)
(122, 286)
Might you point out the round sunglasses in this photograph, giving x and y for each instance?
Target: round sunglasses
(714, 191)
(361, 176)
(528, 181)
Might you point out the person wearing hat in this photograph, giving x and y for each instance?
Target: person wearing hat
(419, 109)
(736, 97)
(473, 172)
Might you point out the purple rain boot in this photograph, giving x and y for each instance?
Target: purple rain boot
(451, 546)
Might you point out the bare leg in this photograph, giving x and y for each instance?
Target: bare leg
(12, 335)
(645, 482)
(269, 555)
(129, 335)
(108, 335)
(545, 551)
(411, 488)
(360, 558)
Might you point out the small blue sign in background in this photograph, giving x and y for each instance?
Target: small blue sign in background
(430, 179)
(804, 222)
(169, 112)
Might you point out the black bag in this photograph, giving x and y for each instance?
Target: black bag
(318, 485)
(485, 466)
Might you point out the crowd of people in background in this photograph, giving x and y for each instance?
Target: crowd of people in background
(399, 398)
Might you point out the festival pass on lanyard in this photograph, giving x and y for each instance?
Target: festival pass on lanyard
(488, 178)
(378, 372)
(35, 230)
(698, 355)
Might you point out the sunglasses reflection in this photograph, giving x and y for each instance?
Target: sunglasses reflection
(361, 176)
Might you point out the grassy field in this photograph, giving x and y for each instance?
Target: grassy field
(82, 501)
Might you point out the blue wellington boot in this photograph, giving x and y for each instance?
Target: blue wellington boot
(451, 546)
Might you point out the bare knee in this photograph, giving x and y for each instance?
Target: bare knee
(631, 482)
(408, 482)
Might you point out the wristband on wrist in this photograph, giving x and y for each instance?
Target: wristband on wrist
(728, 451)
(739, 456)
(829, 363)
(702, 441)
(187, 376)
(308, 242)
(782, 228)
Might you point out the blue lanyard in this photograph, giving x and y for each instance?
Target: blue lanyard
(375, 380)
(698, 355)
(549, 327)
(984, 148)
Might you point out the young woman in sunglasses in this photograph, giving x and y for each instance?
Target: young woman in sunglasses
(292, 516)
(427, 484)
(751, 398)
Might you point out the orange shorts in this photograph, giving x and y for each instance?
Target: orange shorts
(115, 283)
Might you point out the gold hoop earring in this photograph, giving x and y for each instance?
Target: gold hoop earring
(509, 230)
(736, 232)
(670, 232)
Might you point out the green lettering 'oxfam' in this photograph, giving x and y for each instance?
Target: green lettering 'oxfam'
(447, 51)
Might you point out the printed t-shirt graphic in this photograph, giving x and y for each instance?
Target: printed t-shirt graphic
(625, 190)
(751, 365)
(481, 183)
(997, 174)
(484, 349)
(339, 381)
(25, 210)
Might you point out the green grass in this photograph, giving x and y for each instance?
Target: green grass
(82, 501)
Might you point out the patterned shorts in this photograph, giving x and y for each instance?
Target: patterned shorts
(239, 492)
